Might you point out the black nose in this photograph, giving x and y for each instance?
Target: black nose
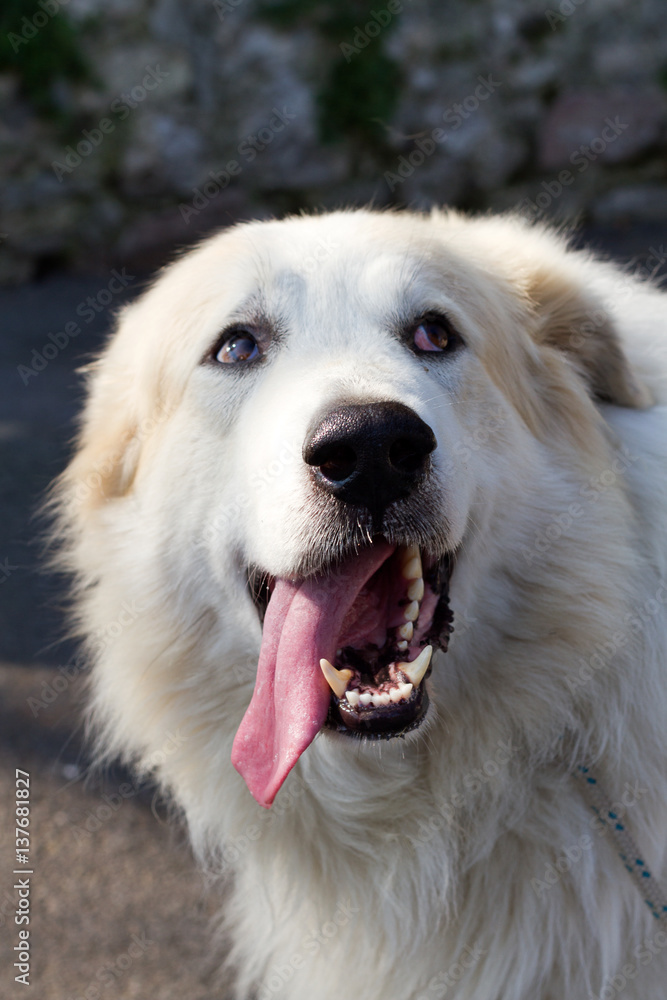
(371, 454)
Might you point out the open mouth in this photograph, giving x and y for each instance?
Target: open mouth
(383, 656)
(386, 646)
(348, 648)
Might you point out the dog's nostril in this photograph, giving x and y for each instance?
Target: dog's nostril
(338, 463)
(408, 456)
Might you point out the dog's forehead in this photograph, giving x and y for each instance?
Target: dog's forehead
(301, 274)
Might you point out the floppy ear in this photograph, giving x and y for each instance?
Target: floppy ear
(575, 321)
(117, 418)
(107, 454)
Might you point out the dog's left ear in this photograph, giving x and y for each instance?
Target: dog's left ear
(574, 321)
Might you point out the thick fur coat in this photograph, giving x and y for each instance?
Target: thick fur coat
(462, 860)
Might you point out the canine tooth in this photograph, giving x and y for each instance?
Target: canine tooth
(405, 689)
(416, 590)
(365, 698)
(412, 563)
(336, 679)
(353, 697)
(405, 631)
(416, 670)
(411, 611)
(403, 645)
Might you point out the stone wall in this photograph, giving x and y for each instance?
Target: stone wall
(131, 126)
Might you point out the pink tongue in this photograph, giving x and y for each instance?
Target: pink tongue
(291, 698)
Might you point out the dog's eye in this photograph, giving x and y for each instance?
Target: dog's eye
(434, 335)
(239, 347)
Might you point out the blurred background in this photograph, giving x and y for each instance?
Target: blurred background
(128, 130)
(121, 117)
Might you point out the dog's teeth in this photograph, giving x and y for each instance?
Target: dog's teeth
(416, 590)
(336, 679)
(381, 700)
(412, 563)
(405, 631)
(365, 699)
(411, 611)
(395, 694)
(403, 645)
(416, 670)
(353, 697)
(405, 689)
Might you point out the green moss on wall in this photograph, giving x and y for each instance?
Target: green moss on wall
(40, 54)
(362, 84)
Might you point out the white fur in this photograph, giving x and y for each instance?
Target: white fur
(379, 863)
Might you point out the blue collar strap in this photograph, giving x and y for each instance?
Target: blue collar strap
(652, 891)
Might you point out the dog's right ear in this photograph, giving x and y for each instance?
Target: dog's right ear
(575, 321)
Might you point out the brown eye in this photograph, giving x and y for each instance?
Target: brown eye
(238, 348)
(433, 335)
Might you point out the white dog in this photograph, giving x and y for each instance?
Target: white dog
(311, 451)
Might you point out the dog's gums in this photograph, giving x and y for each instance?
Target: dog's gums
(377, 690)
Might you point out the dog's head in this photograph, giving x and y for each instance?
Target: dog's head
(330, 434)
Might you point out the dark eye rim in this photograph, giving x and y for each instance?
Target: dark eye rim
(235, 330)
(454, 339)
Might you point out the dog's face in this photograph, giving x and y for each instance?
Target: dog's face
(334, 431)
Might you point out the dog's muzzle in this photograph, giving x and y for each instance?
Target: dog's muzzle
(347, 644)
